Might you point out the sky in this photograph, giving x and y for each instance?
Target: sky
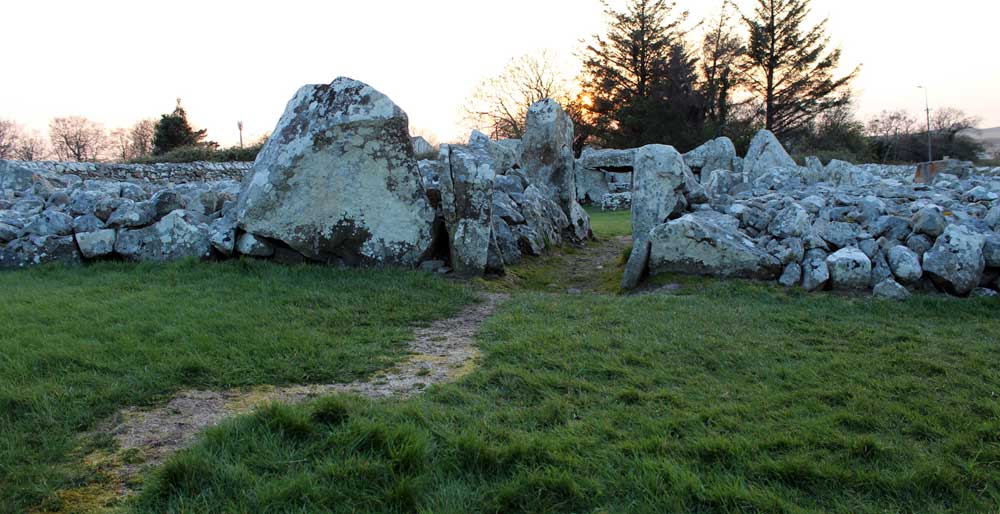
(119, 61)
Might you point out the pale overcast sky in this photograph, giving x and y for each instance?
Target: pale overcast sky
(118, 61)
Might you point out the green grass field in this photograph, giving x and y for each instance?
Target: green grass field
(736, 397)
(724, 396)
(76, 345)
(608, 224)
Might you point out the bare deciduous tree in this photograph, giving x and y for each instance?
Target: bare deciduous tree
(891, 127)
(77, 138)
(31, 147)
(9, 135)
(141, 136)
(499, 105)
(121, 143)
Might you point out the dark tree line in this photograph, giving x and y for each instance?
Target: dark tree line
(642, 83)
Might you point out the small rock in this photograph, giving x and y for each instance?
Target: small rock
(929, 221)
(792, 275)
(97, 243)
(892, 290)
(253, 246)
(850, 268)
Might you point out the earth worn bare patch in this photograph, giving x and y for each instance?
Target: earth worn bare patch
(441, 352)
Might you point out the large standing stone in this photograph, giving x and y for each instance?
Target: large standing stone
(661, 181)
(765, 154)
(547, 152)
(956, 261)
(467, 206)
(850, 268)
(696, 245)
(337, 181)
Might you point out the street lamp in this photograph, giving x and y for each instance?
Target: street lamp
(927, 104)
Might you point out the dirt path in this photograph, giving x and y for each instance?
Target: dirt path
(442, 352)
(589, 270)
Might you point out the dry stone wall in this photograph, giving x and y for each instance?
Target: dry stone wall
(161, 173)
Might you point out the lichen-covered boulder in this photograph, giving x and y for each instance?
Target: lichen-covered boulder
(547, 152)
(905, 264)
(956, 262)
(661, 183)
(35, 250)
(792, 221)
(97, 243)
(170, 239)
(850, 268)
(14, 177)
(467, 206)
(717, 154)
(697, 245)
(337, 180)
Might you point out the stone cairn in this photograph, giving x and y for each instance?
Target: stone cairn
(337, 183)
(840, 226)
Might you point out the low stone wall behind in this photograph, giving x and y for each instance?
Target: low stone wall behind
(176, 173)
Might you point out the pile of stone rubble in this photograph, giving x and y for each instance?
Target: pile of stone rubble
(838, 226)
(337, 183)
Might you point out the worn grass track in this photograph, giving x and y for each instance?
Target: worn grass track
(715, 396)
(78, 344)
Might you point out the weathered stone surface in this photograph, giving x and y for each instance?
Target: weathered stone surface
(49, 223)
(905, 264)
(96, 244)
(579, 222)
(661, 181)
(956, 261)
(36, 250)
(698, 246)
(467, 207)
(422, 147)
(792, 275)
(502, 157)
(637, 265)
(717, 154)
(929, 221)
(616, 202)
(507, 242)
(891, 290)
(765, 154)
(790, 222)
(547, 153)
(13, 176)
(991, 251)
(8, 232)
(337, 181)
(992, 218)
(133, 215)
(849, 268)
(253, 246)
(613, 161)
(88, 223)
(170, 239)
